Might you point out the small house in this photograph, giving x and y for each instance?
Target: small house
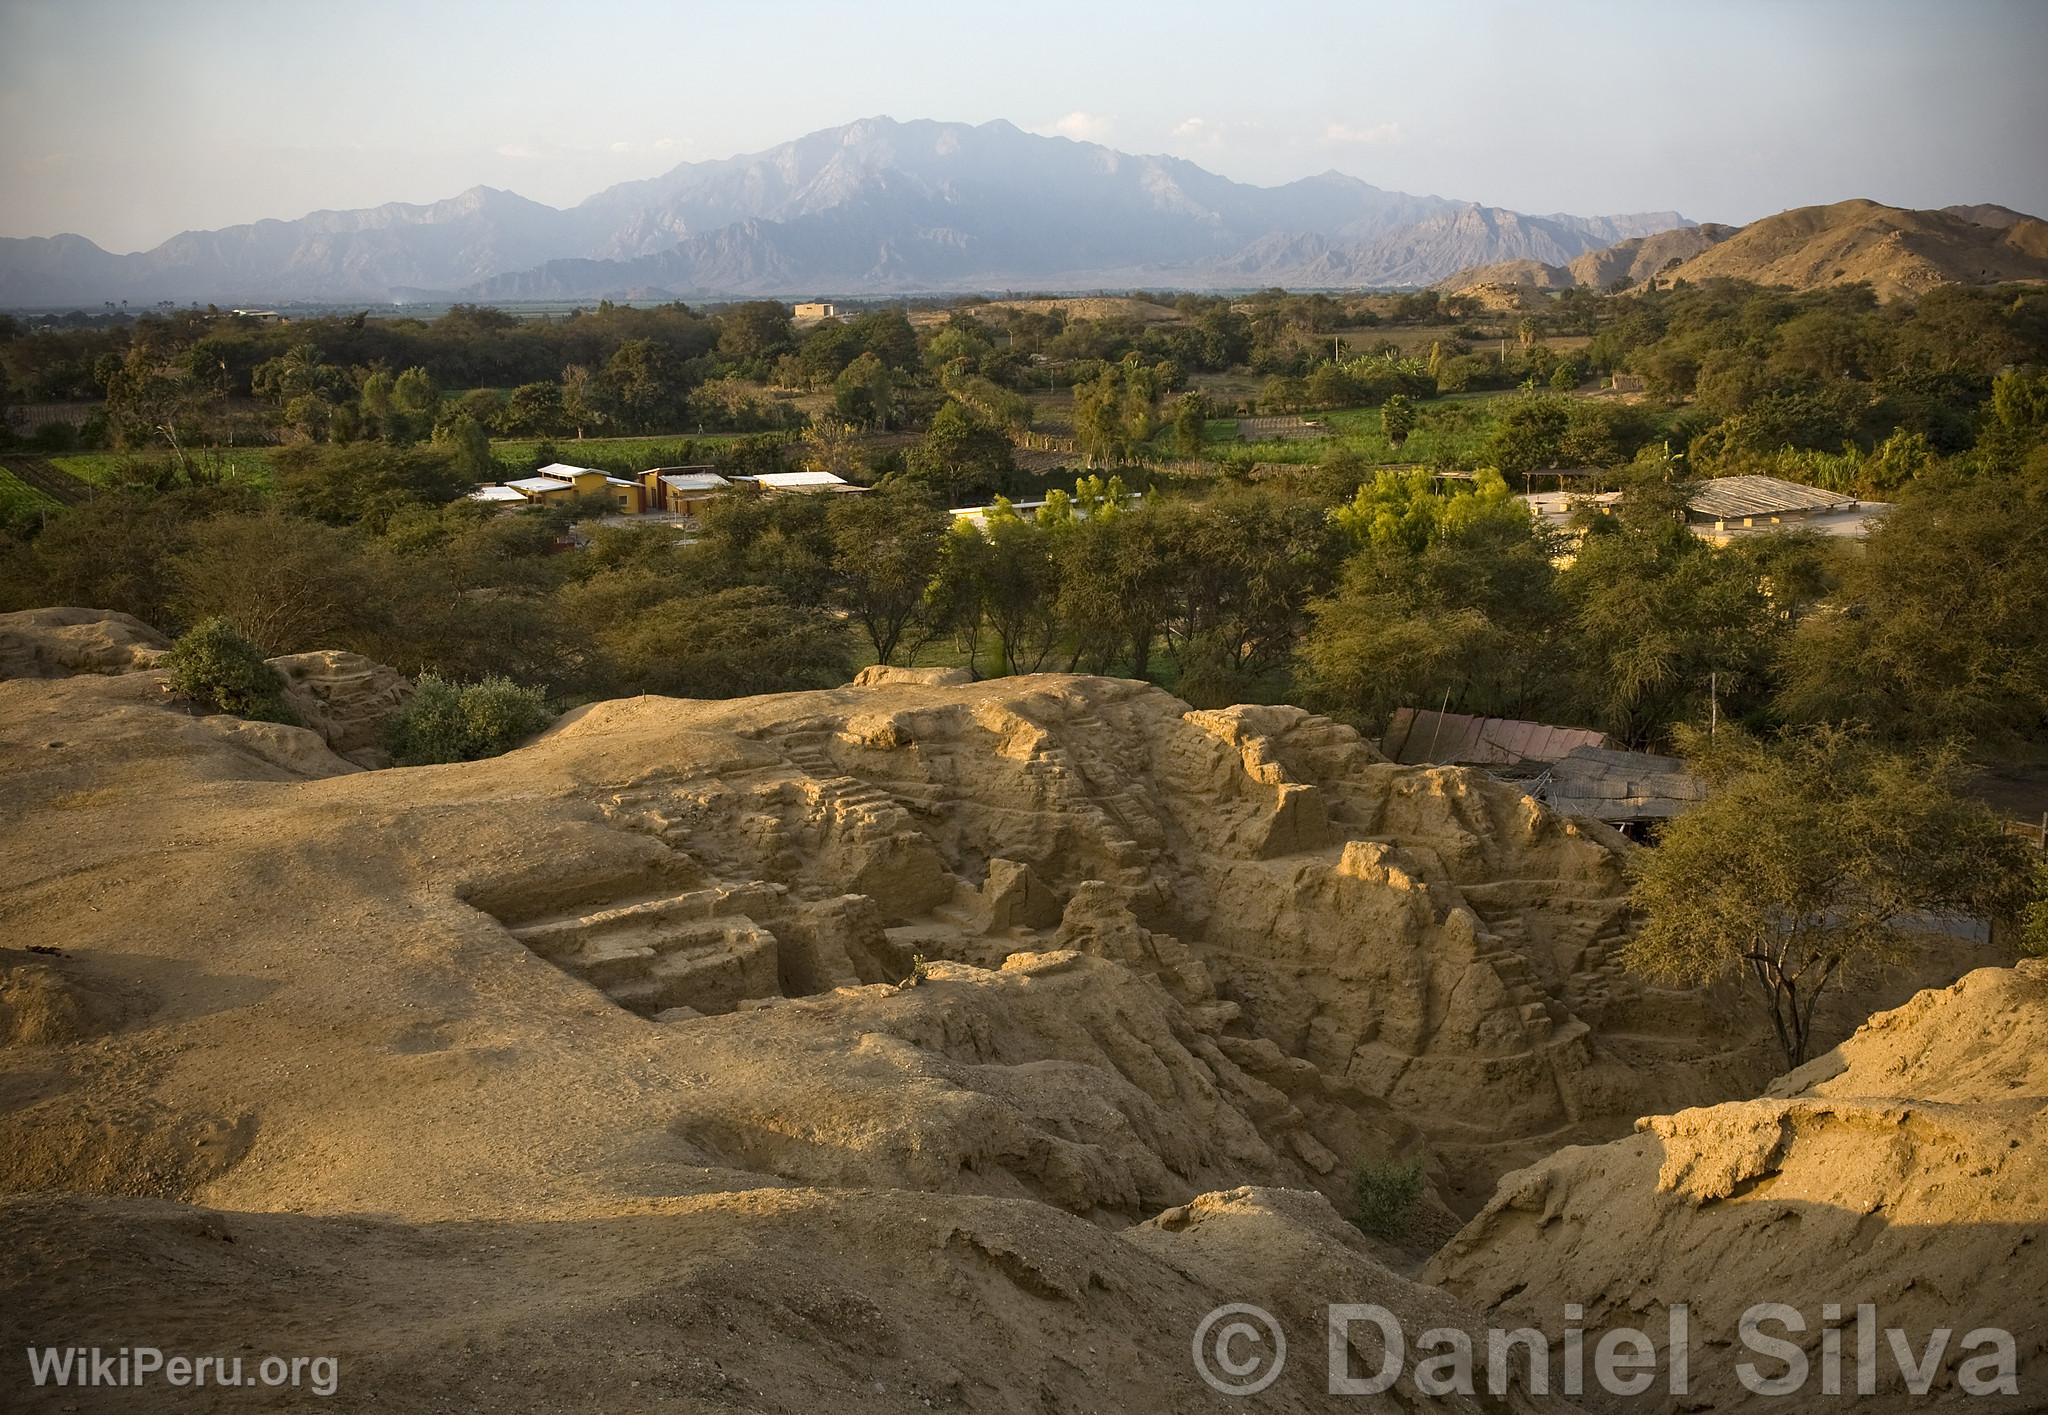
(681, 491)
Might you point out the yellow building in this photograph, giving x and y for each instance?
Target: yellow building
(811, 310)
(681, 491)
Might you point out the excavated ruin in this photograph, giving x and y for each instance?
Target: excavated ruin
(915, 1042)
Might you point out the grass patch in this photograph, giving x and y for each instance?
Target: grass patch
(17, 496)
(244, 466)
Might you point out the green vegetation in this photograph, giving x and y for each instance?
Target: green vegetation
(1808, 865)
(1383, 1197)
(19, 499)
(2033, 938)
(464, 722)
(217, 668)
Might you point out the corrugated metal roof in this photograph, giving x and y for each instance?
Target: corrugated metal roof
(1619, 787)
(1416, 735)
(1731, 498)
(796, 479)
(694, 481)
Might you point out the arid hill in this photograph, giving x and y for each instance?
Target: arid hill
(918, 1042)
(1637, 259)
(1896, 251)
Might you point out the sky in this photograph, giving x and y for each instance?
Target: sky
(128, 121)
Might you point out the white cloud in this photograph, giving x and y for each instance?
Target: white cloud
(522, 151)
(1194, 128)
(1378, 134)
(1084, 127)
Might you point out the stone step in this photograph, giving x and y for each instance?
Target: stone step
(549, 937)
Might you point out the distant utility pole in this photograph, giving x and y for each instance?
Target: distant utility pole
(1713, 704)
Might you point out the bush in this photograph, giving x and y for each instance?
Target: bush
(215, 666)
(1384, 1195)
(464, 722)
(2034, 919)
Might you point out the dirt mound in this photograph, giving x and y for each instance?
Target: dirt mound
(1897, 251)
(1508, 275)
(1898, 1170)
(54, 643)
(344, 697)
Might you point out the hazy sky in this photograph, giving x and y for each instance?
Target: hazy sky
(128, 122)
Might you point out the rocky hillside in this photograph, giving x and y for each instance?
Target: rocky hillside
(918, 1042)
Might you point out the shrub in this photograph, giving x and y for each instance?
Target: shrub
(1383, 1197)
(464, 722)
(2034, 919)
(215, 666)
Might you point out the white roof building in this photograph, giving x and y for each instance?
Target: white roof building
(496, 494)
(801, 481)
(535, 486)
(694, 481)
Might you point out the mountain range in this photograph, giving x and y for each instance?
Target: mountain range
(873, 207)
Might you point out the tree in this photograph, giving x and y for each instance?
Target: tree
(287, 585)
(1116, 412)
(1397, 419)
(886, 548)
(587, 401)
(1941, 626)
(829, 446)
(960, 458)
(1020, 588)
(1190, 424)
(1665, 626)
(729, 643)
(647, 385)
(535, 409)
(1813, 862)
(365, 484)
(1530, 435)
(755, 330)
(1119, 577)
(1470, 614)
(415, 401)
(865, 393)
(469, 449)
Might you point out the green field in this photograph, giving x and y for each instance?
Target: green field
(250, 465)
(17, 496)
(1451, 431)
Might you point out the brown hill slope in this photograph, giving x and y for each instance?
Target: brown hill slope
(1637, 259)
(1897, 251)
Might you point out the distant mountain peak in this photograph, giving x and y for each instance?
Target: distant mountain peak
(877, 205)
